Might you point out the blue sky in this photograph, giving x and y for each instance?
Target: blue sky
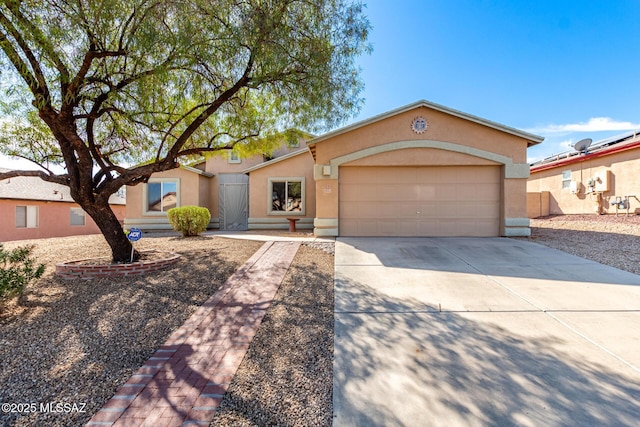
(565, 70)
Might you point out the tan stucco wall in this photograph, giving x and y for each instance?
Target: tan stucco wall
(418, 157)
(448, 140)
(624, 180)
(193, 190)
(53, 220)
(441, 127)
(297, 166)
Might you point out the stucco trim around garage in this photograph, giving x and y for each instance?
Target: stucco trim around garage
(531, 138)
(512, 170)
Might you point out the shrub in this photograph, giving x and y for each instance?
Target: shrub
(16, 270)
(189, 220)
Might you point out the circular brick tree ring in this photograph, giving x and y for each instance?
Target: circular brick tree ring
(90, 268)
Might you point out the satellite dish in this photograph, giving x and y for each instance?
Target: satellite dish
(583, 144)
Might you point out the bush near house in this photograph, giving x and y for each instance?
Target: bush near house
(189, 220)
(17, 269)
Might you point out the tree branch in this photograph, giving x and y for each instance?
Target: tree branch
(36, 81)
(44, 43)
(58, 179)
(197, 122)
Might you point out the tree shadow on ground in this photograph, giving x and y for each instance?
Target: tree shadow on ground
(401, 367)
(79, 341)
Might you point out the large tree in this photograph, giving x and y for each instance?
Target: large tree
(120, 89)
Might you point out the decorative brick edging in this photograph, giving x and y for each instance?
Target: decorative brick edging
(76, 270)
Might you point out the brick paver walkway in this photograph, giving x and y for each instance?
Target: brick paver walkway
(184, 381)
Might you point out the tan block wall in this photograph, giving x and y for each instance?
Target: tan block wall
(537, 204)
(53, 220)
(624, 180)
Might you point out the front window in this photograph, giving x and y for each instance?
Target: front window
(161, 196)
(26, 216)
(286, 196)
(566, 179)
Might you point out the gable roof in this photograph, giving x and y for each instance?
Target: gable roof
(34, 188)
(276, 160)
(533, 139)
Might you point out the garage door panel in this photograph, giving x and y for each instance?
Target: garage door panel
(378, 227)
(426, 191)
(477, 192)
(447, 192)
(391, 211)
(420, 201)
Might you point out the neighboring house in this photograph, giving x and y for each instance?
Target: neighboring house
(602, 179)
(31, 208)
(420, 170)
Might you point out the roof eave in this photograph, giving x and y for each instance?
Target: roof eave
(276, 160)
(198, 171)
(533, 139)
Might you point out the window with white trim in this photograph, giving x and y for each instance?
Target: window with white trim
(76, 217)
(566, 179)
(286, 196)
(233, 157)
(161, 195)
(26, 217)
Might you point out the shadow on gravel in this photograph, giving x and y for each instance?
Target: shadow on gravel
(80, 340)
(286, 377)
(447, 368)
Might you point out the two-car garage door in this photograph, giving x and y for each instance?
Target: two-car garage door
(420, 201)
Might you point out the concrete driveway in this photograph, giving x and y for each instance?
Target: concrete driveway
(482, 332)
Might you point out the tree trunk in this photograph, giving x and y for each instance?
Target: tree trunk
(111, 229)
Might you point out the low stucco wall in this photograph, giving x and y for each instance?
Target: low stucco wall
(537, 204)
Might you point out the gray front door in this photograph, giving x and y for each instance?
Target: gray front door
(233, 205)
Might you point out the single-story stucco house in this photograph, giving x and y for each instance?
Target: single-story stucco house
(420, 170)
(602, 178)
(31, 208)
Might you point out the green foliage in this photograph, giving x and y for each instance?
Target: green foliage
(137, 75)
(123, 89)
(189, 220)
(17, 269)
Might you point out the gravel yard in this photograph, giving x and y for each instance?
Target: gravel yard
(78, 341)
(607, 239)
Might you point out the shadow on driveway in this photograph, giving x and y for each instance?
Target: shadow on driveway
(399, 361)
